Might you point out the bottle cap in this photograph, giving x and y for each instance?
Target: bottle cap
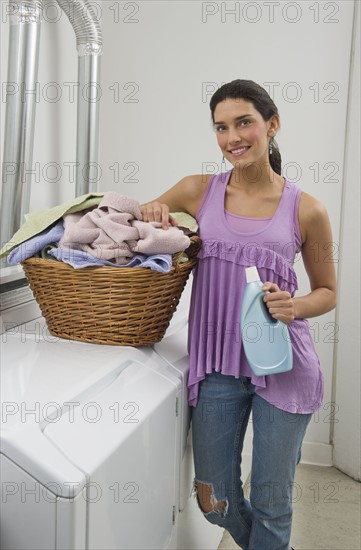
(252, 274)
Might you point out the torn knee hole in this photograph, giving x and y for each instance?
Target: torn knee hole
(207, 499)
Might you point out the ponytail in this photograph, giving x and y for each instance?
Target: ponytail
(275, 159)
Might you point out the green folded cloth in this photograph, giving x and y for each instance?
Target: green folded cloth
(36, 222)
(185, 220)
(183, 258)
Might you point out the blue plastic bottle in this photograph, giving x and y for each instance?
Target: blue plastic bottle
(266, 341)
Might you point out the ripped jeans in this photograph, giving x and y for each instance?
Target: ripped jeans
(219, 423)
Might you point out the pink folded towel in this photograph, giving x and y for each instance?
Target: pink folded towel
(153, 239)
(114, 231)
(120, 203)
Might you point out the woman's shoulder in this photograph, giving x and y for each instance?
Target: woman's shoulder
(197, 181)
(310, 207)
(194, 187)
(311, 214)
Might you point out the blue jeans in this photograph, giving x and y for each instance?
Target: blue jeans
(219, 423)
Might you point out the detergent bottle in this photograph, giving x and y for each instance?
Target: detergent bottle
(266, 341)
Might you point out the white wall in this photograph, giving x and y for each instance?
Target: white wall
(161, 63)
(347, 428)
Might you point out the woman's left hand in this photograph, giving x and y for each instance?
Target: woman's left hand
(279, 302)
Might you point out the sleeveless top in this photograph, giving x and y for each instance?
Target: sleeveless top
(243, 224)
(214, 332)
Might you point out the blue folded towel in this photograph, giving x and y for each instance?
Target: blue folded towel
(33, 246)
(79, 259)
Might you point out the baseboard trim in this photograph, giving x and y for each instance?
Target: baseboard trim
(318, 454)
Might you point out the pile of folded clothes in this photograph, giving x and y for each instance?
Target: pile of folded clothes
(99, 230)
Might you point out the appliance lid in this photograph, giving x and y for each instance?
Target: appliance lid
(45, 383)
(39, 376)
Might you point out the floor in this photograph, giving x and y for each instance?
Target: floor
(327, 511)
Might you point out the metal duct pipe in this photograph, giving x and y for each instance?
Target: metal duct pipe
(25, 20)
(89, 41)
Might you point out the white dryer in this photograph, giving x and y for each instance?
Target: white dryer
(90, 441)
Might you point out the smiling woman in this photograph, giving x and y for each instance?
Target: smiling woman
(260, 121)
(250, 216)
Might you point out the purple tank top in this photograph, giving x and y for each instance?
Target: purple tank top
(214, 336)
(246, 225)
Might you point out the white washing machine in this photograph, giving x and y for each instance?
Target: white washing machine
(90, 445)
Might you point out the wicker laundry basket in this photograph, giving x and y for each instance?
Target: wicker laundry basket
(109, 305)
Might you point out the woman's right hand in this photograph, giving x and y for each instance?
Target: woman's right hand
(157, 212)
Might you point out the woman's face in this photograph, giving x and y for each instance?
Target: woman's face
(242, 134)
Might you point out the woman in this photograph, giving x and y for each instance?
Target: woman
(250, 216)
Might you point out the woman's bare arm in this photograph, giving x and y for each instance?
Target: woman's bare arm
(184, 196)
(319, 254)
(319, 260)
